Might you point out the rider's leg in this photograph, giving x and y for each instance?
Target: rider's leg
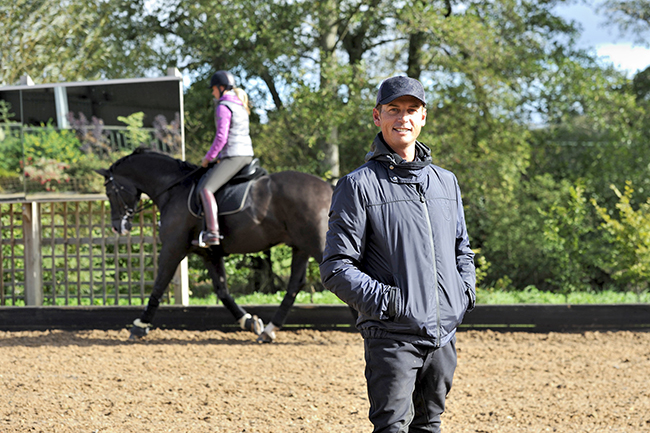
(218, 176)
(211, 235)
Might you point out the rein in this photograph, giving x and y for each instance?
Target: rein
(130, 212)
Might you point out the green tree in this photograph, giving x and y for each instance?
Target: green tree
(515, 110)
(632, 16)
(54, 41)
(628, 230)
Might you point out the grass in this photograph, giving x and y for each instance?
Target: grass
(492, 297)
(530, 295)
(325, 297)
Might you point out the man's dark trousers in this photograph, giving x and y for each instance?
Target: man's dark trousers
(408, 384)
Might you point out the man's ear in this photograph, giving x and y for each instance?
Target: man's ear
(376, 116)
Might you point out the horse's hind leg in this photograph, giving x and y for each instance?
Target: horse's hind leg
(217, 271)
(297, 281)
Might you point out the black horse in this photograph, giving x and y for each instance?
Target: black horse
(286, 207)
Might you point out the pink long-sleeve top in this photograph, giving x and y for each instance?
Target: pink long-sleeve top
(223, 117)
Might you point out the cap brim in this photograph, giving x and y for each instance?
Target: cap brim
(391, 98)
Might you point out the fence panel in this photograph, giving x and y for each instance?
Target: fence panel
(81, 261)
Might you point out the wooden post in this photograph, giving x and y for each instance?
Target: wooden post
(181, 284)
(33, 256)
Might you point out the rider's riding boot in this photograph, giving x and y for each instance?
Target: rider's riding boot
(210, 236)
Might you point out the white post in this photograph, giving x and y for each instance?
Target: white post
(61, 102)
(33, 256)
(181, 284)
(26, 80)
(174, 72)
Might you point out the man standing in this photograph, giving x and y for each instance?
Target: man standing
(398, 252)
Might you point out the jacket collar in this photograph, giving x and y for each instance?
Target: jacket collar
(381, 152)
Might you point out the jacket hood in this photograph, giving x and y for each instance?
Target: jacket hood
(380, 151)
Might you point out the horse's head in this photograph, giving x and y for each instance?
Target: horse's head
(123, 197)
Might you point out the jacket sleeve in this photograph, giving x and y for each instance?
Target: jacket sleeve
(223, 115)
(464, 254)
(340, 268)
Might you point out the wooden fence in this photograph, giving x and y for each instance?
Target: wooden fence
(511, 318)
(65, 253)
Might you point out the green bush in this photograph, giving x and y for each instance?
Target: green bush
(628, 233)
(50, 143)
(11, 147)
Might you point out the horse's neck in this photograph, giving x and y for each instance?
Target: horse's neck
(153, 176)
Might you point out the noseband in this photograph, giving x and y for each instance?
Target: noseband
(128, 211)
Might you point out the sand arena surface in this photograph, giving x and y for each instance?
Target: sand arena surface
(311, 381)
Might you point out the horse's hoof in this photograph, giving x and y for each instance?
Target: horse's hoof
(139, 330)
(254, 324)
(265, 338)
(268, 335)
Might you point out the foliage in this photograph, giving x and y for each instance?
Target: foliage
(91, 135)
(628, 232)
(48, 142)
(629, 15)
(529, 295)
(168, 133)
(256, 298)
(47, 172)
(566, 227)
(48, 153)
(533, 127)
(250, 273)
(54, 41)
(10, 144)
(135, 135)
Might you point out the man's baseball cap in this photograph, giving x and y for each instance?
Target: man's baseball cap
(393, 88)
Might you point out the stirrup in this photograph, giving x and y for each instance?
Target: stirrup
(207, 239)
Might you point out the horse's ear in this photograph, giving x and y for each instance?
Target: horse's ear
(102, 171)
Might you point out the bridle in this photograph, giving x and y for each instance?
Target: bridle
(129, 211)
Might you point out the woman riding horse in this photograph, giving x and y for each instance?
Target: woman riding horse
(232, 147)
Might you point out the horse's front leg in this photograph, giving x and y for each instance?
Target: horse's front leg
(170, 257)
(217, 271)
(299, 260)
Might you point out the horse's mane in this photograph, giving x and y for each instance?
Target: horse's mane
(183, 166)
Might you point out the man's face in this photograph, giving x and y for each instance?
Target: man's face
(401, 121)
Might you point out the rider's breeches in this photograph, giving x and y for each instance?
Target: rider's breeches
(222, 172)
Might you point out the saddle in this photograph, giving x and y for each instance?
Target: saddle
(231, 198)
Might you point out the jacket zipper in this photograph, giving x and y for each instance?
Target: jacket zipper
(435, 269)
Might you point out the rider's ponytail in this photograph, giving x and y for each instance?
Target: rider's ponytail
(243, 97)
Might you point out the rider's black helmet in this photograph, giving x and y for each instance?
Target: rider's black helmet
(222, 78)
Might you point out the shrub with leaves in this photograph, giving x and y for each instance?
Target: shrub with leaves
(566, 228)
(628, 232)
(92, 135)
(135, 135)
(48, 142)
(168, 134)
(47, 172)
(11, 147)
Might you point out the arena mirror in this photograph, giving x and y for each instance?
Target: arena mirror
(53, 136)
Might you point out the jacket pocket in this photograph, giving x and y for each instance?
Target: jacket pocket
(459, 300)
(394, 303)
(471, 295)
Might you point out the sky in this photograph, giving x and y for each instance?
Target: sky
(608, 43)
